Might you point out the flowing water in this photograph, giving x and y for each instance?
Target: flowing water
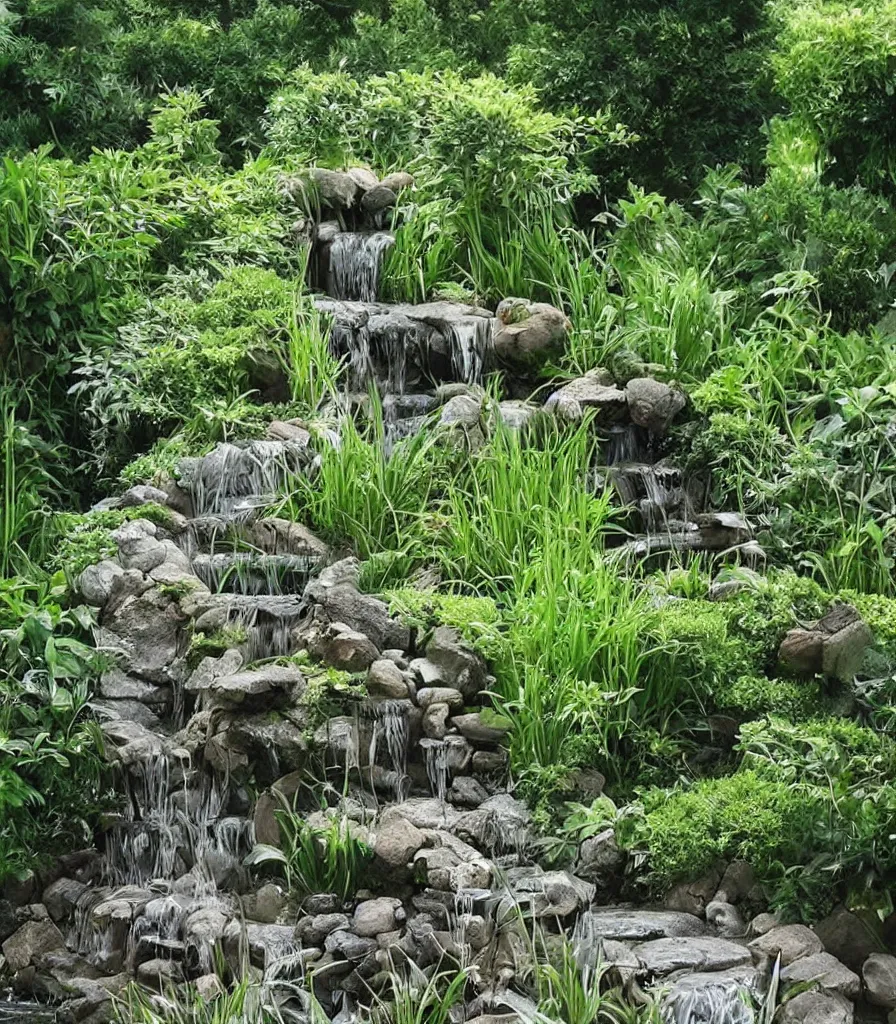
(435, 754)
(356, 260)
(390, 731)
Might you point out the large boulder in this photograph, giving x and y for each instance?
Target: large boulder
(823, 971)
(528, 332)
(147, 632)
(95, 582)
(789, 941)
(595, 390)
(641, 925)
(816, 1008)
(30, 942)
(652, 404)
(397, 840)
(376, 917)
(879, 975)
(835, 646)
(458, 667)
(850, 936)
(336, 189)
(700, 953)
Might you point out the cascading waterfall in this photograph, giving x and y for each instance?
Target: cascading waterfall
(435, 754)
(356, 260)
(253, 574)
(472, 345)
(390, 728)
(715, 1001)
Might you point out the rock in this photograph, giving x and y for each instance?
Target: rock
(435, 721)
(373, 917)
(440, 695)
(314, 930)
(850, 936)
(489, 762)
(397, 181)
(516, 415)
(825, 972)
(116, 685)
(348, 946)
(652, 404)
(701, 953)
(31, 941)
(61, 898)
(347, 649)
(264, 687)
(725, 920)
(335, 590)
(737, 881)
(467, 792)
(692, 897)
(384, 679)
(377, 199)
(422, 812)
(147, 628)
(553, 893)
(159, 973)
(526, 331)
(835, 645)
(460, 668)
(844, 651)
(643, 925)
(600, 860)
(461, 411)
(208, 987)
(879, 975)
(800, 652)
(363, 177)
(95, 582)
(763, 923)
(816, 1008)
(595, 390)
(129, 742)
(397, 841)
(268, 904)
(790, 941)
(335, 189)
(8, 920)
(484, 726)
(138, 547)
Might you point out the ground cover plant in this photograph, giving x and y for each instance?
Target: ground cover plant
(704, 189)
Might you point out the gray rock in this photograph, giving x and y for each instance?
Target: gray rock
(208, 987)
(422, 812)
(116, 685)
(800, 652)
(147, 628)
(435, 721)
(467, 792)
(129, 710)
(825, 972)
(763, 923)
(790, 941)
(595, 390)
(440, 695)
(692, 897)
(879, 975)
(131, 743)
(725, 920)
(489, 762)
(516, 415)
(737, 881)
(460, 667)
(652, 404)
(61, 898)
(348, 946)
(553, 893)
(268, 904)
(529, 331)
(844, 651)
(138, 547)
(377, 199)
(461, 411)
(159, 973)
(313, 931)
(363, 177)
(335, 189)
(600, 858)
(660, 957)
(479, 727)
(31, 941)
(643, 925)
(95, 582)
(261, 687)
(816, 1008)
(385, 679)
(373, 917)
(398, 181)
(397, 840)
(850, 936)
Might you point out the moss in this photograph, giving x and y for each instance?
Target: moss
(86, 539)
(213, 645)
(477, 619)
(748, 696)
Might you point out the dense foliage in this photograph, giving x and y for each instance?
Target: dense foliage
(704, 186)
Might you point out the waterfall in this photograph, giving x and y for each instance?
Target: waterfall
(253, 574)
(390, 725)
(472, 344)
(355, 263)
(703, 999)
(622, 445)
(435, 754)
(353, 342)
(460, 922)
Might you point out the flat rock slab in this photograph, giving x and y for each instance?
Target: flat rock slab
(642, 925)
(702, 953)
